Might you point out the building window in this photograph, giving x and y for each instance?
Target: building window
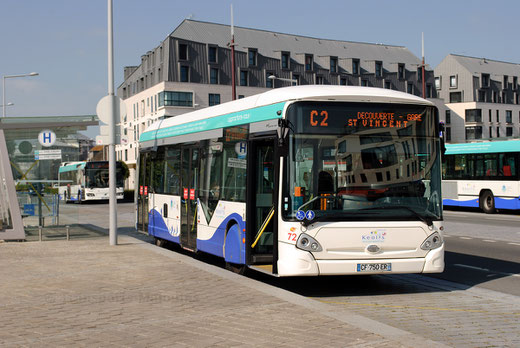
(448, 117)
(286, 56)
(343, 81)
(175, 99)
(419, 74)
(319, 80)
(388, 85)
(504, 97)
(400, 71)
(252, 53)
(364, 82)
(498, 132)
(506, 81)
(296, 79)
(213, 76)
(509, 131)
(214, 99)
(409, 88)
(490, 117)
(482, 96)
(183, 51)
(473, 115)
(490, 132)
(243, 78)
(308, 62)
(473, 133)
(448, 134)
(453, 81)
(498, 115)
(355, 66)
(429, 90)
(240, 96)
(379, 69)
(455, 97)
(268, 81)
(212, 54)
(509, 116)
(185, 73)
(485, 80)
(438, 82)
(333, 64)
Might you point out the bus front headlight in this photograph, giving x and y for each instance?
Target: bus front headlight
(307, 243)
(432, 242)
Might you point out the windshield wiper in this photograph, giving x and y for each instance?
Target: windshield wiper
(427, 220)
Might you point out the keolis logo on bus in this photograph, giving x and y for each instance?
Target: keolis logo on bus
(374, 236)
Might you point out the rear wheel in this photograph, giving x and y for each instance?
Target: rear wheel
(159, 242)
(487, 202)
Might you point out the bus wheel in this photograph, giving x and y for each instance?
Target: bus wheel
(487, 202)
(238, 269)
(159, 242)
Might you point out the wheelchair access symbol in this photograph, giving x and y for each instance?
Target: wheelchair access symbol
(300, 215)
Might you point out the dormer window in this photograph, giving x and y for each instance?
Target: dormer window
(309, 62)
(183, 51)
(355, 66)
(379, 69)
(333, 64)
(400, 71)
(212, 54)
(286, 58)
(252, 54)
(485, 80)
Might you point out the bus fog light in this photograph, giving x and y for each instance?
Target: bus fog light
(307, 243)
(90, 195)
(432, 242)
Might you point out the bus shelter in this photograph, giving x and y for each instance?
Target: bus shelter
(31, 151)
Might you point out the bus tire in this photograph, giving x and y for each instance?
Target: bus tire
(159, 242)
(232, 233)
(487, 202)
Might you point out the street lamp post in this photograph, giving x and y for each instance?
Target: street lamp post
(3, 87)
(273, 77)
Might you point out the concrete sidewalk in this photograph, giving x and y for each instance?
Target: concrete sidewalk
(84, 292)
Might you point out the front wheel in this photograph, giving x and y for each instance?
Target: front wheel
(487, 202)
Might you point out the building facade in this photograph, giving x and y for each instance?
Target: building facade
(481, 97)
(192, 67)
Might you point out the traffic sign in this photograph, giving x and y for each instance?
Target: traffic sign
(103, 109)
(47, 138)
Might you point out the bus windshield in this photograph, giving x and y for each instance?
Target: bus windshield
(362, 162)
(96, 174)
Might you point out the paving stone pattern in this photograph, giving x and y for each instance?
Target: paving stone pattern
(85, 293)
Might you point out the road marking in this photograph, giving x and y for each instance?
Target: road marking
(487, 270)
(416, 307)
(489, 240)
(465, 238)
(514, 244)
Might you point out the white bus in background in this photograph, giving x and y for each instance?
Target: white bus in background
(284, 182)
(482, 175)
(88, 181)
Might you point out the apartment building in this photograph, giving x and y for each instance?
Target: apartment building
(191, 69)
(481, 97)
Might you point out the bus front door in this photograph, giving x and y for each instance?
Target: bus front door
(262, 187)
(189, 182)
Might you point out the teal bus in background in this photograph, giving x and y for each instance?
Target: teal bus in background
(482, 175)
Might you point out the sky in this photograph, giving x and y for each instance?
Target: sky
(65, 41)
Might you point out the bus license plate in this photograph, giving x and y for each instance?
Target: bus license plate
(374, 267)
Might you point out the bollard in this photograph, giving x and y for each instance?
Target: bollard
(40, 233)
(67, 228)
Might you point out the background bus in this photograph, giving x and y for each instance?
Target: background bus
(87, 181)
(305, 180)
(482, 175)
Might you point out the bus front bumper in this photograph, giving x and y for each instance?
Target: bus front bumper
(296, 262)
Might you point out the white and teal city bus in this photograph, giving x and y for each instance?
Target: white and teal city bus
(305, 180)
(88, 181)
(482, 175)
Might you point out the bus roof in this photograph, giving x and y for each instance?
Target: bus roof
(70, 166)
(268, 104)
(483, 147)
